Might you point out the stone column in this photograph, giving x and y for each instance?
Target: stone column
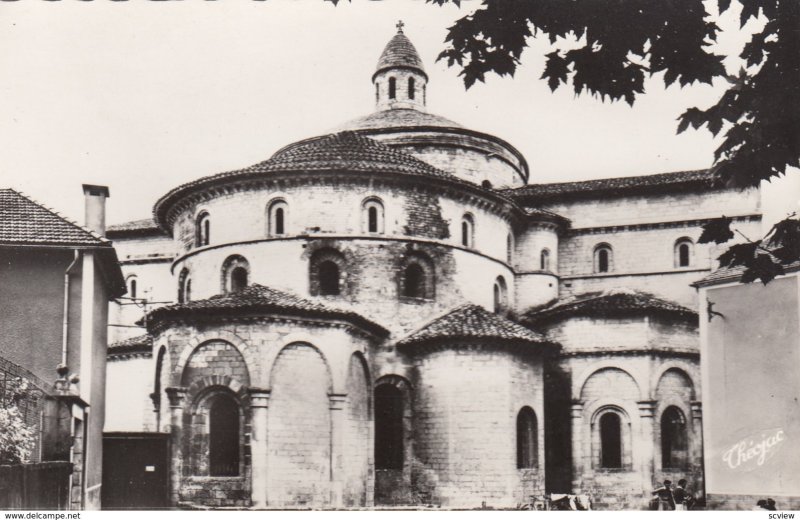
(697, 460)
(338, 424)
(578, 455)
(259, 405)
(177, 398)
(647, 419)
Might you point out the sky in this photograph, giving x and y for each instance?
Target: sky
(143, 96)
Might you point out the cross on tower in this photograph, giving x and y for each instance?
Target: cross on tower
(399, 26)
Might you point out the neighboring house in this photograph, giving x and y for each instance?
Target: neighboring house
(56, 279)
(398, 314)
(750, 346)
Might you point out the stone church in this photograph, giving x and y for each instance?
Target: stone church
(399, 314)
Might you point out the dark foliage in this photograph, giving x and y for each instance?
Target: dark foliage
(758, 116)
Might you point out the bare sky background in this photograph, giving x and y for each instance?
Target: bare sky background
(143, 96)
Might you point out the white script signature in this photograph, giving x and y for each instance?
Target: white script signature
(753, 451)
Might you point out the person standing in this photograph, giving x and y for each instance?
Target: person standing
(681, 496)
(666, 502)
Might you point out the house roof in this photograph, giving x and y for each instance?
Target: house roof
(398, 118)
(470, 322)
(135, 345)
(26, 222)
(659, 183)
(734, 274)
(261, 300)
(399, 52)
(608, 304)
(145, 226)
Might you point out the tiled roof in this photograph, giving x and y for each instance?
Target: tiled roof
(734, 274)
(341, 152)
(26, 222)
(143, 343)
(472, 322)
(145, 226)
(610, 304)
(616, 186)
(399, 52)
(398, 118)
(258, 299)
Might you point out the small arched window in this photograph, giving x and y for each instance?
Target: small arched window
(328, 278)
(500, 295)
(674, 439)
(276, 217)
(203, 230)
(388, 427)
(372, 216)
(184, 286)
(510, 248)
(527, 440)
(610, 440)
(411, 88)
(377, 92)
(223, 436)
(683, 252)
(468, 231)
(392, 88)
(544, 260)
(603, 259)
(235, 274)
(417, 277)
(133, 286)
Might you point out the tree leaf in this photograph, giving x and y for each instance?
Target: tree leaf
(717, 230)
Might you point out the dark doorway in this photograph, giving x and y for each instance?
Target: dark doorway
(223, 437)
(610, 441)
(135, 470)
(388, 427)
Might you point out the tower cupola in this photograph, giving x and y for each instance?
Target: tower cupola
(400, 79)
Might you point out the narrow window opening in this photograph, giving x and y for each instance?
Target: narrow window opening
(388, 428)
(527, 446)
(279, 221)
(183, 281)
(610, 441)
(132, 290)
(188, 292)
(392, 88)
(328, 278)
(377, 92)
(372, 217)
(500, 296)
(674, 440)
(223, 433)
(467, 231)
(509, 248)
(203, 230)
(415, 281)
(544, 260)
(411, 88)
(238, 279)
(602, 259)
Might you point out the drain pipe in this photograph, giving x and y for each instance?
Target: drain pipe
(65, 331)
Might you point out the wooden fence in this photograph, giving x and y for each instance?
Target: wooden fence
(44, 485)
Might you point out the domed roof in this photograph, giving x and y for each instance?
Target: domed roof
(398, 118)
(399, 52)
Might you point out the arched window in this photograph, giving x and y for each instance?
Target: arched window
(132, 286)
(417, 277)
(223, 436)
(527, 440)
(544, 260)
(388, 427)
(500, 295)
(683, 252)
(203, 230)
(328, 278)
(377, 92)
(276, 217)
(184, 286)
(468, 231)
(674, 439)
(610, 440)
(392, 88)
(235, 274)
(188, 292)
(411, 88)
(327, 271)
(510, 248)
(603, 259)
(372, 215)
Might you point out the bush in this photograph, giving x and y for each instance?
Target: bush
(17, 439)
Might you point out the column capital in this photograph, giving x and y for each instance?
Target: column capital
(646, 408)
(576, 408)
(176, 395)
(697, 409)
(259, 397)
(337, 401)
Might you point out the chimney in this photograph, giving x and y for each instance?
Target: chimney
(95, 197)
